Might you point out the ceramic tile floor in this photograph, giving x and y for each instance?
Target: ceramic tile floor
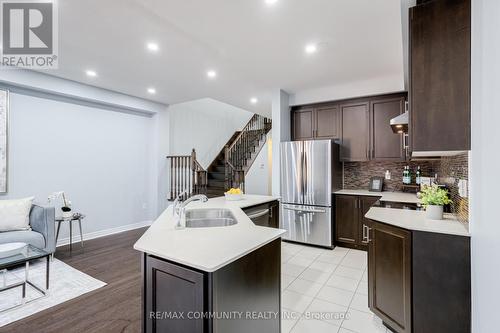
(326, 291)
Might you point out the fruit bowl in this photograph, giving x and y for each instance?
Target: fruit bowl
(234, 194)
(233, 197)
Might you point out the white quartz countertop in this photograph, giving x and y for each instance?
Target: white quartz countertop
(247, 201)
(416, 220)
(208, 249)
(385, 195)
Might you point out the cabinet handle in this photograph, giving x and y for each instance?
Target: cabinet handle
(368, 229)
(365, 238)
(356, 204)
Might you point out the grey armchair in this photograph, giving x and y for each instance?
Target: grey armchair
(41, 235)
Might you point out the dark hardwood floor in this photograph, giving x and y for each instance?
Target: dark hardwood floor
(113, 308)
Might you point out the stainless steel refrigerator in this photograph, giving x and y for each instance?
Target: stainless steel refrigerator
(310, 173)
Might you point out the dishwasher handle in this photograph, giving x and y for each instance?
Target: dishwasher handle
(258, 214)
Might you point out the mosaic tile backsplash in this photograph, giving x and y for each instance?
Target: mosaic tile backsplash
(449, 170)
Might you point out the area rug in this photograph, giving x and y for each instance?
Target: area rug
(66, 283)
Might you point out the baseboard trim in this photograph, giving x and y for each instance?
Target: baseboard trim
(101, 233)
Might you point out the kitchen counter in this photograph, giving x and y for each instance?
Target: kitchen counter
(385, 195)
(247, 201)
(416, 220)
(208, 249)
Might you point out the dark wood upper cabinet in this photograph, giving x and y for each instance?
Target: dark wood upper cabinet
(389, 275)
(384, 144)
(354, 143)
(303, 124)
(361, 125)
(313, 123)
(440, 37)
(327, 122)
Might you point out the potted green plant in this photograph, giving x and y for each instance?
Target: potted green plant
(433, 199)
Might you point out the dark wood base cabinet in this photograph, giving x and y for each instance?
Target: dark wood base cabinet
(418, 281)
(350, 221)
(180, 299)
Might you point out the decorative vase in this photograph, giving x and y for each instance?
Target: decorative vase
(434, 212)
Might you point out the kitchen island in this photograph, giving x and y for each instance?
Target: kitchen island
(212, 279)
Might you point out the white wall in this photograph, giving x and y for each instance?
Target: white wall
(484, 183)
(77, 92)
(281, 133)
(101, 158)
(374, 86)
(162, 151)
(205, 125)
(258, 178)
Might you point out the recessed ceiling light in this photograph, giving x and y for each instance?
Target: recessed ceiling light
(152, 91)
(311, 48)
(254, 100)
(153, 47)
(212, 74)
(91, 73)
(271, 2)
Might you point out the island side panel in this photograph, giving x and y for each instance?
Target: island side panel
(441, 283)
(250, 284)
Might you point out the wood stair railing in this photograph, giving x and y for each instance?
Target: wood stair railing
(228, 168)
(241, 153)
(186, 175)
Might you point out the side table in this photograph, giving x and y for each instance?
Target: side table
(76, 217)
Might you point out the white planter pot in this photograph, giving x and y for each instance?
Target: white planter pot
(434, 212)
(67, 215)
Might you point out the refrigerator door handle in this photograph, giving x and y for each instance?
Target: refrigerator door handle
(312, 210)
(306, 173)
(302, 179)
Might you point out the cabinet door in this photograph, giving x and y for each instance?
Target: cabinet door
(440, 76)
(172, 289)
(385, 145)
(303, 125)
(389, 275)
(355, 134)
(327, 122)
(365, 203)
(346, 220)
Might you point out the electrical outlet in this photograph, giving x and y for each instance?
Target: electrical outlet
(462, 188)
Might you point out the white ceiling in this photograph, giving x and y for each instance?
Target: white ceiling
(255, 48)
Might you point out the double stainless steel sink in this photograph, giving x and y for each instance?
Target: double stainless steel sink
(209, 218)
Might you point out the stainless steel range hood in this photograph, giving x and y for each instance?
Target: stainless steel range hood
(399, 124)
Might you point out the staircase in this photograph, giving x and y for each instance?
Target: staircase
(227, 170)
(233, 162)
